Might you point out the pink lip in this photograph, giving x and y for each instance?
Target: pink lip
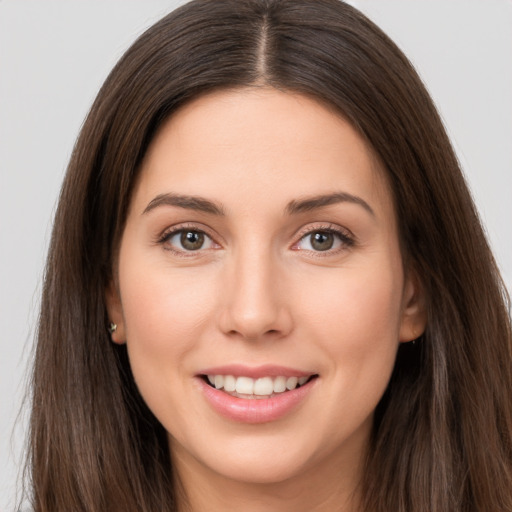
(254, 410)
(255, 372)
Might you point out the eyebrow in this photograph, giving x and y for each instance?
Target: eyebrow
(185, 201)
(294, 207)
(312, 203)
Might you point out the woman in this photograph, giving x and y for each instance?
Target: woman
(267, 287)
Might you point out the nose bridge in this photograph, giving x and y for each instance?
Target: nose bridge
(254, 305)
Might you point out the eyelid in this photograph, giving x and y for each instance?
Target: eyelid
(170, 231)
(346, 236)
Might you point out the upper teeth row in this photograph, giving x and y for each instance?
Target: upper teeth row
(262, 386)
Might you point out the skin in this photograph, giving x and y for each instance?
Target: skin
(259, 293)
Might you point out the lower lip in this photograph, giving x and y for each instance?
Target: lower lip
(258, 410)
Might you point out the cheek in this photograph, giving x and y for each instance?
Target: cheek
(164, 310)
(165, 314)
(360, 299)
(355, 316)
(162, 305)
(160, 300)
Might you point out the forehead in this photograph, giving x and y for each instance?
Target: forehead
(261, 144)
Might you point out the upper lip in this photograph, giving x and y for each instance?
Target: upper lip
(255, 372)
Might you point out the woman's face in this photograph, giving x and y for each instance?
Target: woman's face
(261, 249)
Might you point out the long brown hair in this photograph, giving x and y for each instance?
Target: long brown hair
(442, 438)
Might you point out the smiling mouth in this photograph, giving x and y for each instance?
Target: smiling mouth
(249, 388)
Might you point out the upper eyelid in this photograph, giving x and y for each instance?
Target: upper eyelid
(327, 226)
(345, 236)
(171, 230)
(302, 232)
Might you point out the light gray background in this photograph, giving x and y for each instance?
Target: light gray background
(54, 55)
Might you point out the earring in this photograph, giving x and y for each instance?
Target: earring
(416, 340)
(112, 328)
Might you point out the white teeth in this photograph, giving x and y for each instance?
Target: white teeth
(229, 383)
(262, 387)
(291, 383)
(279, 384)
(245, 385)
(219, 381)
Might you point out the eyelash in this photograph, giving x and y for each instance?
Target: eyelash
(344, 236)
(183, 228)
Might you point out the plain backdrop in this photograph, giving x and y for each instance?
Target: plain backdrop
(54, 55)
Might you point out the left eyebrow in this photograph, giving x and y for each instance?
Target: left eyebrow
(187, 202)
(312, 203)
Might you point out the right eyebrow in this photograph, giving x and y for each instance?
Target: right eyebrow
(321, 201)
(185, 201)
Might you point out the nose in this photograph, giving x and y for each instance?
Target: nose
(254, 303)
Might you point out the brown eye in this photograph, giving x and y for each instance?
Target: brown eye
(321, 240)
(324, 240)
(192, 240)
(187, 240)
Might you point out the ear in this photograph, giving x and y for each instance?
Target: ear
(115, 313)
(414, 309)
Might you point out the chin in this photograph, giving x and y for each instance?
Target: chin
(262, 470)
(248, 459)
